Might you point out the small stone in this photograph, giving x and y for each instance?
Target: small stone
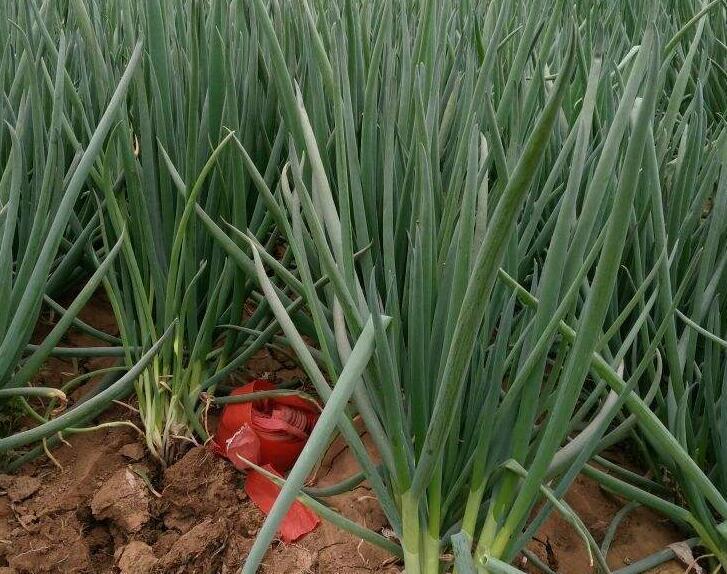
(124, 500)
(137, 558)
(23, 487)
(133, 451)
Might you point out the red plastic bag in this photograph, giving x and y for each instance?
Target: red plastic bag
(282, 425)
(270, 433)
(299, 520)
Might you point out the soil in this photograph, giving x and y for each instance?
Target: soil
(104, 506)
(642, 533)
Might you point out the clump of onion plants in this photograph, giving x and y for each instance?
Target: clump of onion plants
(678, 230)
(49, 145)
(198, 95)
(493, 232)
(485, 165)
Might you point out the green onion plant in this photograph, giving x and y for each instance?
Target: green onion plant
(492, 231)
(50, 144)
(488, 163)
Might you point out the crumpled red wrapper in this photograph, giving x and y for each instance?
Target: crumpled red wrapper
(271, 433)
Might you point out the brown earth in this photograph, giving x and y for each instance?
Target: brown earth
(99, 514)
(107, 507)
(641, 533)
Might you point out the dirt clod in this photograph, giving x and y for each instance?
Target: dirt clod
(198, 550)
(137, 558)
(202, 485)
(22, 487)
(133, 451)
(52, 546)
(124, 500)
(295, 560)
